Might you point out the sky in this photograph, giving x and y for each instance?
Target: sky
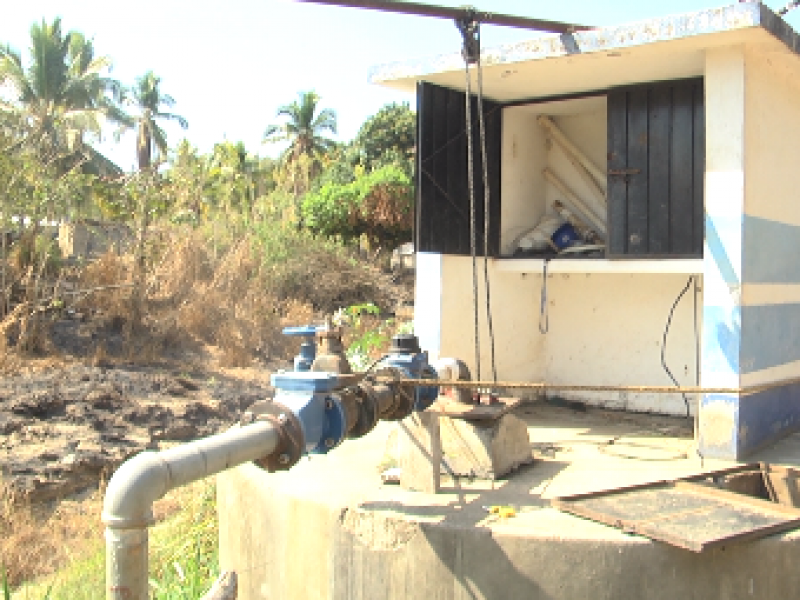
(231, 64)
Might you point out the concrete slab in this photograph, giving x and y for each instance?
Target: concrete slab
(330, 529)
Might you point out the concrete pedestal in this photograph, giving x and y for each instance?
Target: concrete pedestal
(329, 529)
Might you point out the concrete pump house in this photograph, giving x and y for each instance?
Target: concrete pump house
(694, 121)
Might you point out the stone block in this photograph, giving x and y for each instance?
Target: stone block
(484, 449)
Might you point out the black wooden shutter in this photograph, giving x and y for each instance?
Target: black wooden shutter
(442, 221)
(656, 165)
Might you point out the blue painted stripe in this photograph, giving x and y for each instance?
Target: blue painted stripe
(772, 251)
(722, 336)
(724, 245)
(766, 417)
(770, 336)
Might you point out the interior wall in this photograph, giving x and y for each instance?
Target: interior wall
(522, 184)
(526, 152)
(604, 329)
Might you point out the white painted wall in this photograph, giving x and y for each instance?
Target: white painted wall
(604, 329)
(771, 159)
(772, 131)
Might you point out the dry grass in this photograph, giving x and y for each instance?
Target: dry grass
(235, 296)
(38, 540)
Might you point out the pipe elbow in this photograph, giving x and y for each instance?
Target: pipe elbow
(132, 489)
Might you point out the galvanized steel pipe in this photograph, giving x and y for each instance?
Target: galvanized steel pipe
(148, 476)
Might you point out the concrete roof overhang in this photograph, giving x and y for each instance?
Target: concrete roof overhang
(670, 47)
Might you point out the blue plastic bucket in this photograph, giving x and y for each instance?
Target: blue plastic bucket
(565, 236)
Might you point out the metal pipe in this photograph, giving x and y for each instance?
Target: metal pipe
(445, 12)
(558, 387)
(148, 476)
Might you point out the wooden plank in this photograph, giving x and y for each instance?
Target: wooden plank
(637, 238)
(456, 174)
(494, 142)
(681, 176)
(617, 221)
(424, 149)
(444, 231)
(698, 171)
(658, 140)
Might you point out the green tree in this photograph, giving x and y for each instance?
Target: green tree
(387, 137)
(304, 128)
(378, 205)
(149, 101)
(61, 94)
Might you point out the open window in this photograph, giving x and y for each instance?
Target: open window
(625, 167)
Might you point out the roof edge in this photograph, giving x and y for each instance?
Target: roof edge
(742, 15)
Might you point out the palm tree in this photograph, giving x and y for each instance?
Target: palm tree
(60, 95)
(148, 100)
(304, 129)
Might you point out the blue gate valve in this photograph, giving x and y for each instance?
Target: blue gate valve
(406, 356)
(308, 347)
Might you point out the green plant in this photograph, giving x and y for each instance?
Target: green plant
(370, 335)
(378, 204)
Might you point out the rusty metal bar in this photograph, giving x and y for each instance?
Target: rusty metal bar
(444, 12)
(649, 389)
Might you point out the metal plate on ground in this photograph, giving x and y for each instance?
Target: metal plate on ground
(684, 513)
(477, 412)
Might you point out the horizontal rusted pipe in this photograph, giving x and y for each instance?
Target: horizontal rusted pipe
(643, 389)
(445, 12)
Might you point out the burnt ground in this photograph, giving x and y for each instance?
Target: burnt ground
(66, 428)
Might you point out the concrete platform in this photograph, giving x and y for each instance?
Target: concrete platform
(330, 529)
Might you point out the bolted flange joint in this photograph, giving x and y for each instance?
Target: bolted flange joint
(290, 447)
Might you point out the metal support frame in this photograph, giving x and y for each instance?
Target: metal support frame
(456, 14)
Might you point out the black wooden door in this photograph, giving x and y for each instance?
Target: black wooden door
(442, 221)
(656, 165)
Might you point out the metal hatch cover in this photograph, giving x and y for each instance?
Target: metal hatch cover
(687, 513)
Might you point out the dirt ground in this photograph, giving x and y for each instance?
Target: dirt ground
(64, 428)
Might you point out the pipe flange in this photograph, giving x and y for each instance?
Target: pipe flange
(404, 396)
(367, 411)
(290, 446)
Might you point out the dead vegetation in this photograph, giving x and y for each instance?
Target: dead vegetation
(204, 300)
(235, 297)
(37, 540)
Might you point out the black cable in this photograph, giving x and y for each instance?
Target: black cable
(486, 216)
(664, 341)
(472, 218)
(544, 317)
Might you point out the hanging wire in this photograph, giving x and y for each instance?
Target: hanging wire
(544, 315)
(472, 225)
(664, 343)
(486, 213)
